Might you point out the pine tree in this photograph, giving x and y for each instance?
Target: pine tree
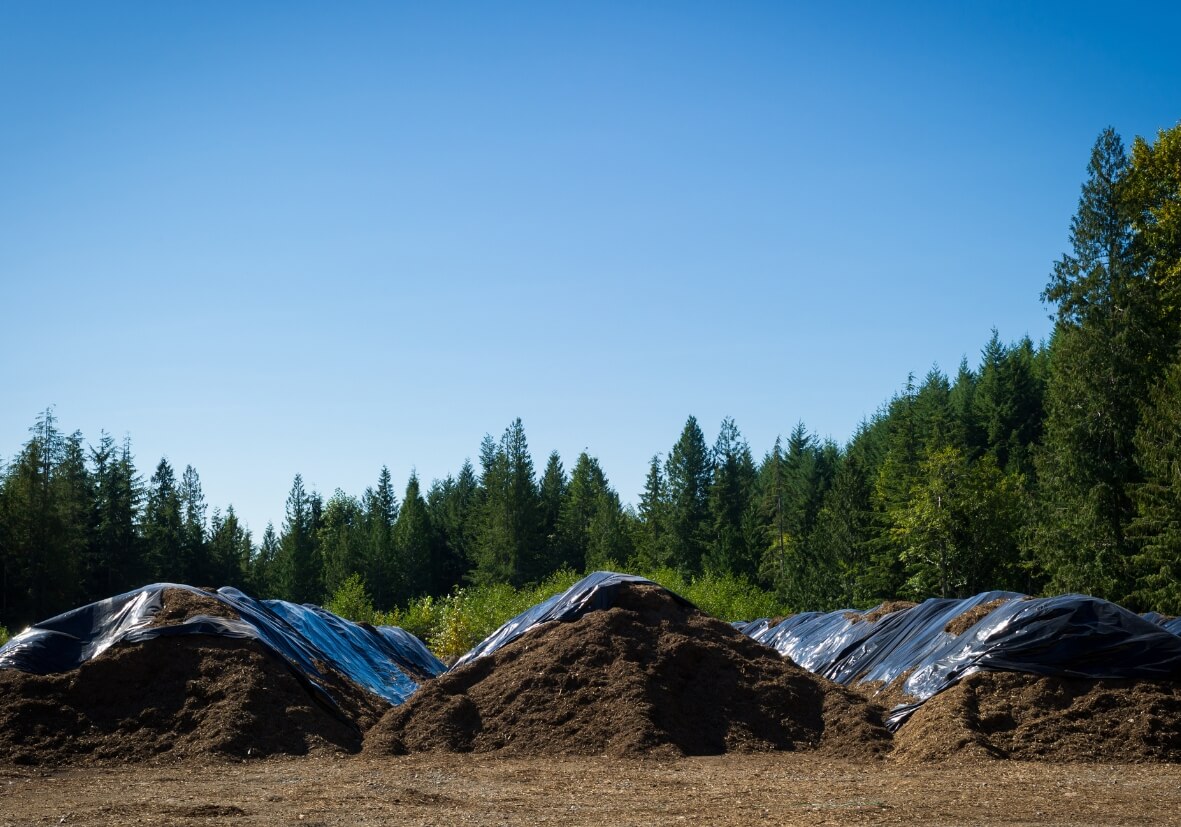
(454, 507)
(731, 497)
(195, 563)
(509, 540)
(552, 494)
(229, 549)
(298, 565)
(1100, 370)
(651, 541)
(380, 555)
(114, 562)
(689, 474)
(414, 541)
(163, 526)
(1156, 564)
(264, 565)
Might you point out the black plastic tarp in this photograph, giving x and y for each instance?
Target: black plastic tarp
(387, 661)
(594, 592)
(1067, 636)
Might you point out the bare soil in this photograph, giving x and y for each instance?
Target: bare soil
(587, 791)
(650, 676)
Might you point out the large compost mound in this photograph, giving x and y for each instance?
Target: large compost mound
(180, 696)
(171, 697)
(649, 675)
(1030, 717)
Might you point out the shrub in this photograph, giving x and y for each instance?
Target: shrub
(352, 602)
(3, 636)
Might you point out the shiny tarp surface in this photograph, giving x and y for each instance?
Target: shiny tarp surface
(913, 649)
(386, 661)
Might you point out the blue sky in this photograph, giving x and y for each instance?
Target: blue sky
(270, 238)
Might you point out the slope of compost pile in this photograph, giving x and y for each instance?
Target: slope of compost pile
(651, 675)
(174, 697)
(1030, 717)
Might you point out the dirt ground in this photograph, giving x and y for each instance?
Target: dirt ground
(446, 789)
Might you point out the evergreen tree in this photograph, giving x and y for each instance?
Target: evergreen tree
(298, 565)
(114, 563)
(454, 508)
(689, 475)
(264, 565)
(732, 495)
(552, 493)
(380, 556)
(509, 540)
(163, 531)
(841, 537)
(229, 550)
(652, 531)
(1100, 370)
(414, 541)
(1156, 564)
(195, 565)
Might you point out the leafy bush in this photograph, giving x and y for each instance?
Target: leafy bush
(352, 602)
(453, 624)
(3, 636)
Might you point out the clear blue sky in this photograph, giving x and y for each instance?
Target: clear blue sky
(269, 238)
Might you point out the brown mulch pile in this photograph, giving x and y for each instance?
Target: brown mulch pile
(1032, 718)
(887, 608)
(181, 605)
(650, 676)
(963, 622)
(177, 697)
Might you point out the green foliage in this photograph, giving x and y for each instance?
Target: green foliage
(959, 530)
(352, 602)
(3, 635)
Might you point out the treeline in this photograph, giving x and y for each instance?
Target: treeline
(1044, 468)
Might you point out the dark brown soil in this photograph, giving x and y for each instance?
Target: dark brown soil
(180, 605)
(963, 622)
(1031, 718)
(887, 608)
(649, 676)
(173, 698)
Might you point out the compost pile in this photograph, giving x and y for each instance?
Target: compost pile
(648, 676)
(1033, 718)
(176, 697)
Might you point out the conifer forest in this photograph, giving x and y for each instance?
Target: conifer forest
(1043, 467)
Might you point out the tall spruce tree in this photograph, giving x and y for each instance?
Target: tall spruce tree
(415, 543)
(1100, 370)
(652, 547)
(689, 473)
(380, 571)
(299, 566)
(731, 498)
(163, 525)
(509, 539)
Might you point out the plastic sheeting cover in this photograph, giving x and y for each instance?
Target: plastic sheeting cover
(1067, 636)
(594, 592)
(387, 661)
